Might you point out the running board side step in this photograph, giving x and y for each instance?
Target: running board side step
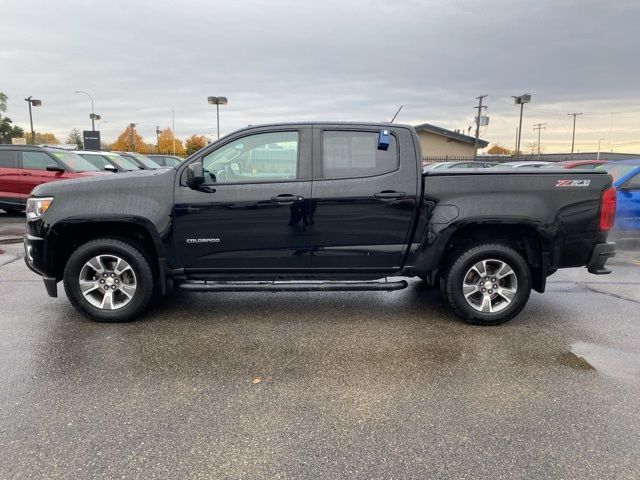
(204, 286)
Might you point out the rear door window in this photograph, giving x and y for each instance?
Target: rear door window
(8, 159)
(348, 154)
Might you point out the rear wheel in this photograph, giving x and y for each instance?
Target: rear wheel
(487, 284)
(108, 280)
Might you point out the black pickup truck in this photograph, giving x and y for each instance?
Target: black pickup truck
(317, 206)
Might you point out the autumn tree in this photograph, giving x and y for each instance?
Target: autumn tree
(195, 143)
(166, 142)
(498, 150)
(75, 137)
(128, 141)
(42, 137)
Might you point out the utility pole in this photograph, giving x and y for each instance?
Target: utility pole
(520, 100)
(478, 119)
(573, 136)
(539, 127)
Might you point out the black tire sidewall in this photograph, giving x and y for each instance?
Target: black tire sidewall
(461, 266)
(137, 261)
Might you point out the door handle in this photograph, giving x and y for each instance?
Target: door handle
(25, 174)
(389, 194)
(287, 198)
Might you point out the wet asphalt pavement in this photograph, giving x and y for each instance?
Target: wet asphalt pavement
(323, 385)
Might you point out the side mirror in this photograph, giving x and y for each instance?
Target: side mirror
(195, 174)
(54, 167)
(110, 168)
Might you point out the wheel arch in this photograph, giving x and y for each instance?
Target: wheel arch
(68, 236)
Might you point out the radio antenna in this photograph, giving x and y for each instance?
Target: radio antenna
(394, 117)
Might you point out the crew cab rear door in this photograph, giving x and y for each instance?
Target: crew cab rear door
(252, 213)
(363, 198)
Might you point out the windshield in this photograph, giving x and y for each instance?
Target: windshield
(75, 162)
(616, 171)
(122, 162)
(146, 161)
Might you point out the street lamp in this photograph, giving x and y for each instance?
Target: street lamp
(92, 115)
(158, 132)
(521, 100)
(131, 137)
(36, 103)
(217, 101)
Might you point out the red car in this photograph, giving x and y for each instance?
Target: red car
(22, 167)
(585, 164)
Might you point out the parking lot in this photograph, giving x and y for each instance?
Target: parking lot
(322, 385)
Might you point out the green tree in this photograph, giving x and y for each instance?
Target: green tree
(75, 137)
(7, 131)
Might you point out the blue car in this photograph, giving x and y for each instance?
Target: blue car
(626, 179)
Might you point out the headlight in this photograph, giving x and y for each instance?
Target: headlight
(37, 206)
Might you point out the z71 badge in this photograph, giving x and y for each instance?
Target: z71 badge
(573, 183)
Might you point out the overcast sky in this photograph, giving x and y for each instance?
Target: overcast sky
(287, 60)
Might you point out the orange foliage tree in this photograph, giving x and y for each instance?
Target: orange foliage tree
(195, 143)
(129, 141)
(498, 150)
(165, 142)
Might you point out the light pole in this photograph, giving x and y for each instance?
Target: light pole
(573, 135)
(131, 137)
(217, 101)
(599, 140)
(36, 103)
(158, 132)
(521, 100)
(92, 115)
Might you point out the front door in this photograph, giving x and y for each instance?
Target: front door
(251, 215)
(33, 171)
(364, 198)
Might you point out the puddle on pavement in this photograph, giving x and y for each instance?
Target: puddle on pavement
(609, 361)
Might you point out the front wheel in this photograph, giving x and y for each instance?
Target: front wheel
(487, 284)
(108, 280)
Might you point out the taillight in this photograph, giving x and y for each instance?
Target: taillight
(607, 209)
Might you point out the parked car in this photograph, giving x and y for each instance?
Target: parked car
(236, 217)
(111, 162)
(142, 161)
(523, 164)
(23, 167)
(581, 164)
(626, 180)
(166, 160)
(457, 165)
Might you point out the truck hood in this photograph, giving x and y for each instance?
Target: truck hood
(108, 183)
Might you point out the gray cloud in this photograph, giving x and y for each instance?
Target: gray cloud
(296, 60)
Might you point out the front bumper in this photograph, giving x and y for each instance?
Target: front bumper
(601, 253)
(34, 257)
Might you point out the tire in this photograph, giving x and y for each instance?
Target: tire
(464, 280)
(116, 265)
